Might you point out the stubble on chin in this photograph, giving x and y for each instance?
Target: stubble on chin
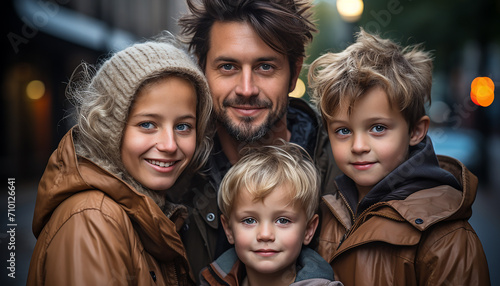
(245, 131)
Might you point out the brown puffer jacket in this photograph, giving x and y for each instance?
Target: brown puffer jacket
(424, 239)
(94, 229)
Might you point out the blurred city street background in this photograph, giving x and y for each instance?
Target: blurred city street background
(45, 40)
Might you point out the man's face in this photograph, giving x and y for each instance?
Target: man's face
(249, 81)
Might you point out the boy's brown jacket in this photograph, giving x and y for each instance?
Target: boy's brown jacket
(424, 239)
(94, 229)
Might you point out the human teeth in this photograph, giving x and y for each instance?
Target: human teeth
(161, 164)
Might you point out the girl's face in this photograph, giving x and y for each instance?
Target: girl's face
(159, 139)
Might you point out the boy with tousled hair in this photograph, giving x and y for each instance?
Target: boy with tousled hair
(400, 213)
(268, 201)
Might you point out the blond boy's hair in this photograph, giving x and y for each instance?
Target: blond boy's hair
(262, 169)
(405, 74)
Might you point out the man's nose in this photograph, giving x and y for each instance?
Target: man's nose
(246, 85)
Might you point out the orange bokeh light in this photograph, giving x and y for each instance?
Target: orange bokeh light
(482, 91)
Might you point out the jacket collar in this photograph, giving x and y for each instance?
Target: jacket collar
(420, 171)
(422, 208)
(310, 265)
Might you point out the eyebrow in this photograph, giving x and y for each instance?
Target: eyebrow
(336, 121)
(232, 60)
(156, 116)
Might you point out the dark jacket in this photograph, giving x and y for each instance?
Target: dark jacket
(229, 271)
(202, 235)
(94, 229)
(410, 229)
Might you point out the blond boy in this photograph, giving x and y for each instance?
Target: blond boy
(268, 201)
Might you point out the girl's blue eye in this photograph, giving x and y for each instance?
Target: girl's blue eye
(146, 125)
(183, 127)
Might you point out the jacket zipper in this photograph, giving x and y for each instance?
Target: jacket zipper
(357, 221)
(175, 275)
(352, 215)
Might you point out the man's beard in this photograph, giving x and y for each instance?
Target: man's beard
(245, 132)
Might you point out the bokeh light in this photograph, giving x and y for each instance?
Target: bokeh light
(350, 10)
(482, 91)
(300, 89)
(35, 89)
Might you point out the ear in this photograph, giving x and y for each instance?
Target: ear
(311, 229)
(419, 130)
(298, 68)
(227, 229)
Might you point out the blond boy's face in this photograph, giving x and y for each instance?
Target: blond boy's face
(268, 235)
(370, 142)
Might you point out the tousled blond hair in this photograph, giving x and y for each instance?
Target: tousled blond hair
(262, 169)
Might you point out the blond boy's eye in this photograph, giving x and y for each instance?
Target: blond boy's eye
(283, 220)
(249, 221)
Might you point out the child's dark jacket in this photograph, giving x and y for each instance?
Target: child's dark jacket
(229, 270)
(410, 229)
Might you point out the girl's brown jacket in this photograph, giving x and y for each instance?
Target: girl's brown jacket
(94, 229)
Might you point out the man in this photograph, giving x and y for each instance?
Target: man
(252, 53)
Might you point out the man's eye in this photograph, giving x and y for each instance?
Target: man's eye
(227, 67)
(266, 67)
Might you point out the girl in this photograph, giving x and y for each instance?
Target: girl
(101, 217)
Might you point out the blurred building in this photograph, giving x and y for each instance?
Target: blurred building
(44, 42)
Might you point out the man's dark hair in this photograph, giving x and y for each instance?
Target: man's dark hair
(285, 25)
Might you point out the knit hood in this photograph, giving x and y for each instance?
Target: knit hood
(104, 103)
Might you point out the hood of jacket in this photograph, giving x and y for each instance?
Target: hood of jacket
(67, 174)
(422, 208)
(420, 171)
